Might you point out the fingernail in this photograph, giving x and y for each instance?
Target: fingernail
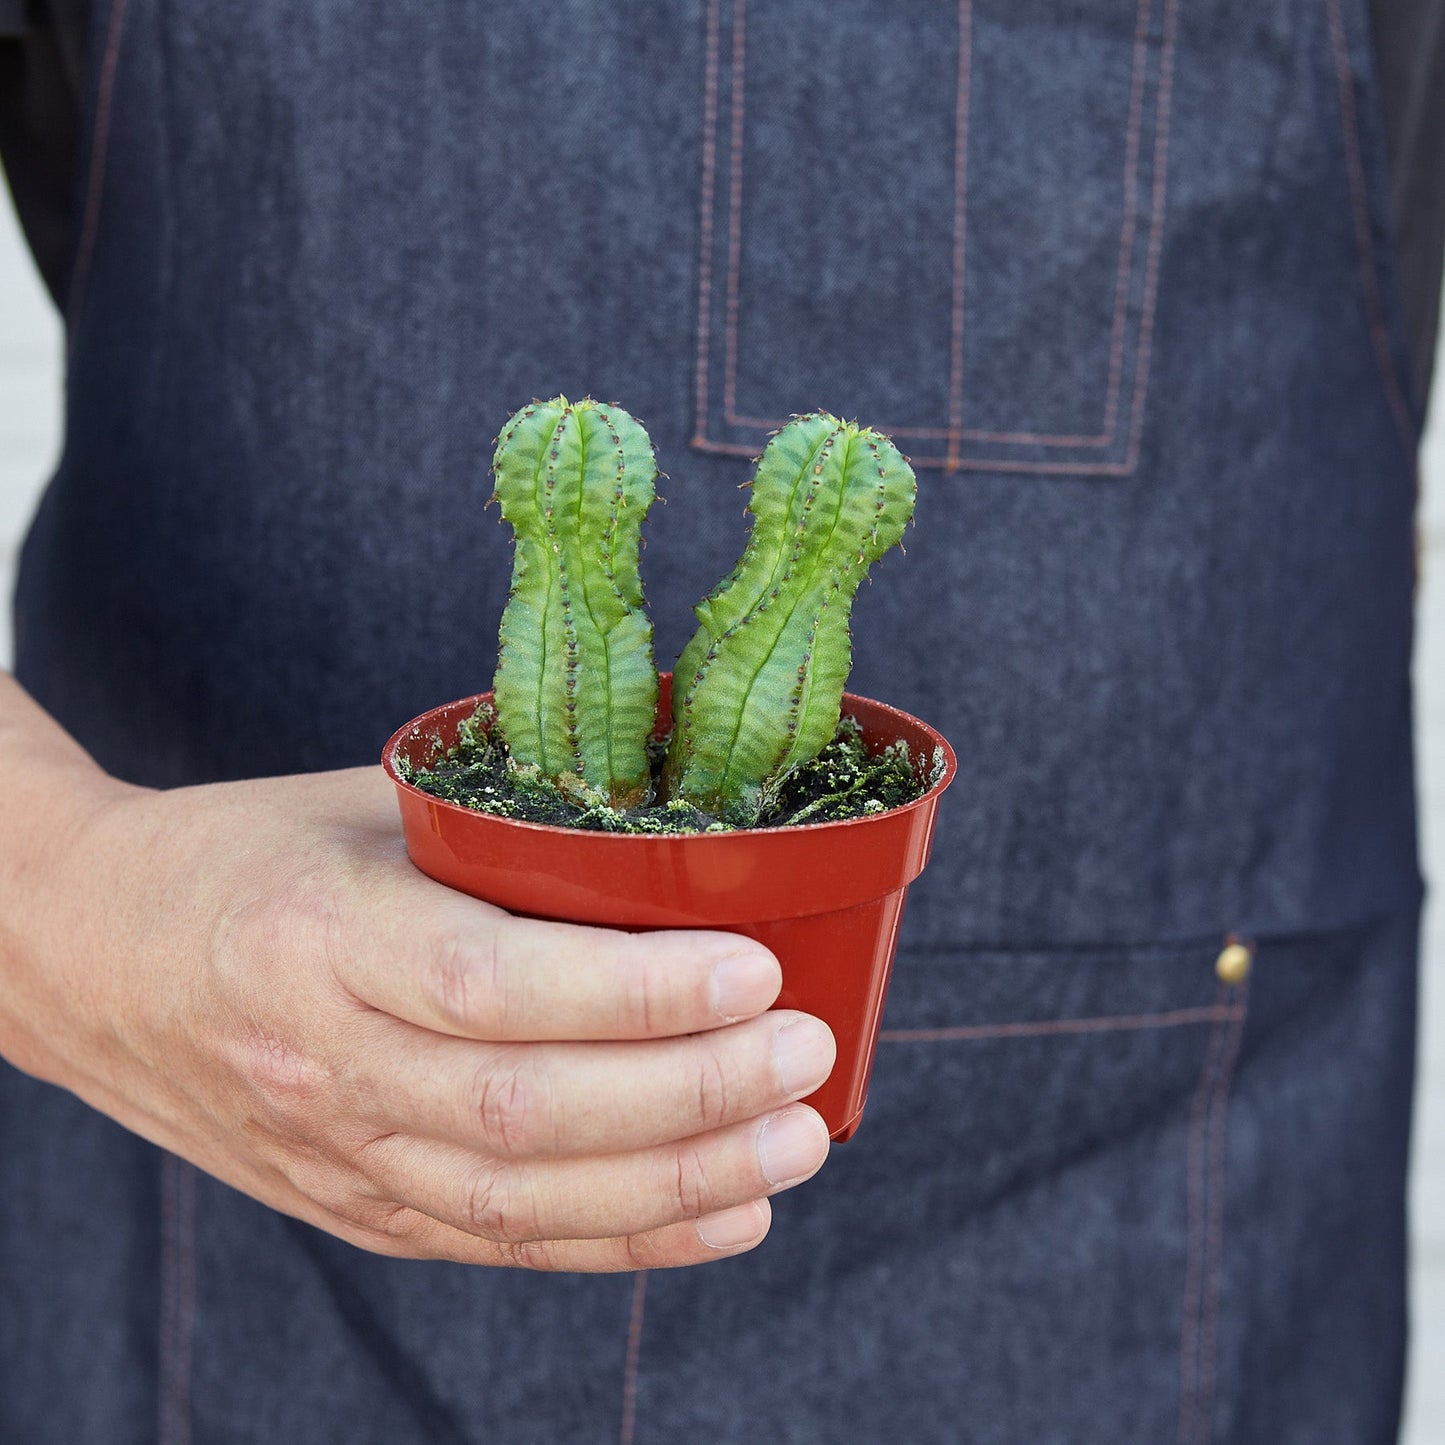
(804, 1053)
(731, 1227)
(745, 984)
(792, 1146)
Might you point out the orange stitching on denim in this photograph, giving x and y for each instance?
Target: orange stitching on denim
(178, 1297)
(971, 434)
(732, 449)
(964, 464)
(709, 180)
(989, 464)
(99, 147)
(1156, 233)
(168, 1296)
(185, 1336)
(960, 221)
(1364, 243)
(1202, 1429)
(634, 1351)
(1131, 207)
(955, 432)
(1195, 1228)
(735, 208)
(1172, 1018)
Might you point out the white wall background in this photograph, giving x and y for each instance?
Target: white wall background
(30, 398)
(1425, 1407)
(30, 416)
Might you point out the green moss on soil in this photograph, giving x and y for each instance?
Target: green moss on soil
(843, 781)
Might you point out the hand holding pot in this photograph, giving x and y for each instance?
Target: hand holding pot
(254, 976)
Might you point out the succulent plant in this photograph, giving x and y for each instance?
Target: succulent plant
(758, 689)
(576, 685)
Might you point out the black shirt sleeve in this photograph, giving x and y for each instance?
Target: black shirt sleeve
(1409, 38)
(42, 56)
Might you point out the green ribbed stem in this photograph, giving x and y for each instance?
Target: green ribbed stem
(576, 684)
(758, 690)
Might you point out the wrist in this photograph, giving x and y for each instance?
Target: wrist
(51, 793)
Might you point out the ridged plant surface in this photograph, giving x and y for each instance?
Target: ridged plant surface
(576, 684)
(758, 689)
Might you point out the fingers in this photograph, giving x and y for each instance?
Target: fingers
(465, 968)
(717, 1236)
(608, 1197)
(400, 1230)
(519, 1100)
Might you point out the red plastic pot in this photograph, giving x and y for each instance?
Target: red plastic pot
(826, 898)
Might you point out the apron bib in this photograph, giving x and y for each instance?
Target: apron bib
(1120, 281)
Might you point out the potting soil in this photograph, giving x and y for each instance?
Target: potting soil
(842, 782)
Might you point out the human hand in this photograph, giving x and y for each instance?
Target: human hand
(254, 976)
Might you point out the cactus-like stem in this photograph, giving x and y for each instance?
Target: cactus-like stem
(576, 684)
(758, 690)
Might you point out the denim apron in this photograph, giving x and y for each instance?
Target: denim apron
(1118, 275)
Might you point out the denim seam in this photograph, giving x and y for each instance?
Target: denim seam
(1207, 1137)
(1195, 1232)
(1364, 240)
(1142, 949)
(1219, 1126)
(954, 433)
(709, 180)
(735, 211)
(960, 227)
(95, 185)
(1173, 1018)
(1156, 231)
(178, 1291)
(634, 1352)
(165, 1346)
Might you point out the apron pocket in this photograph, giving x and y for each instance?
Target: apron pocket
(985, 298)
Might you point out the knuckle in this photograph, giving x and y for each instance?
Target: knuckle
(394, 1230)
(496, 1208)
(333, 1191)
(463, 981)
(692, 1190)
(369, 1153)
(533, 1254)
(512, 1104)
(717, 1089)
(658, 1249)
(284, 1082)
(639, 998)
(296, 916)
(397, 1223)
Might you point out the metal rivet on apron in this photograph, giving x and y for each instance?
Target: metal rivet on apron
(1234, 961)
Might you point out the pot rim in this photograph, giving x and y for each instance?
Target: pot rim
(412, 729)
